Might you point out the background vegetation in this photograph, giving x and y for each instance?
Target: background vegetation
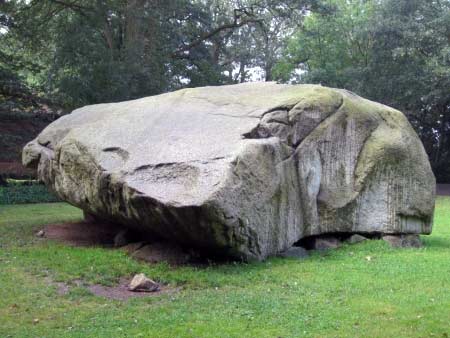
(25, 191)
(57, 55)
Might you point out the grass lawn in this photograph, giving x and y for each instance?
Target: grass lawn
(397, 293)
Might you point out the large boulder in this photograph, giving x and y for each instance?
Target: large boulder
(243, 170)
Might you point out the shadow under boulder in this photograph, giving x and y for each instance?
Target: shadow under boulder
(137, 245)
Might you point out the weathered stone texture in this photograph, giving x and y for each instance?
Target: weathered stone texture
(244, 170)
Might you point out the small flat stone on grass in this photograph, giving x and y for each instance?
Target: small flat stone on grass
(141, 283)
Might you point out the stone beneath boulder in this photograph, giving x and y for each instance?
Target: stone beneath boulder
(243, 171)
(161, 252)
(325, 243)
(403, 241)
(295, 252)
(356, 238)
(141, 283)
(122, 238)
(132, 247)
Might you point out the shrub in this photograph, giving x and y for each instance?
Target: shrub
(20, 192)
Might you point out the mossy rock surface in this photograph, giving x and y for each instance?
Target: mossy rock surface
(244, 170)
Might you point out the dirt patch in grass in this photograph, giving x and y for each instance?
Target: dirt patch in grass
(61, 287)
(116, 292)
(88, 234)
(121, 292)
(82, 233)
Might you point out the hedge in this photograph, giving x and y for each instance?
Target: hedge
(20, 194)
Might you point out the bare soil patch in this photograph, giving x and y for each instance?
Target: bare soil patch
(121, 292)
(61, 287)
(88, 234)
(117, 292)
(83, 233)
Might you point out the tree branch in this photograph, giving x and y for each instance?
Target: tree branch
(179, 53)
(72, 5)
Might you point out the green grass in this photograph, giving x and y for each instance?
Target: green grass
(398, 293)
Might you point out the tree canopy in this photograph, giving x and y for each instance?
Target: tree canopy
(69, 53)
(392, 51)
(81, 52)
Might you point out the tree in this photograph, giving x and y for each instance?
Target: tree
(236, 35)
(392, 51)
(112, 50)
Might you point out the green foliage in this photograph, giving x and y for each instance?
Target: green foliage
(394, 52)
(21, 192)
(333, 48)
(397, 293)
(82, 52)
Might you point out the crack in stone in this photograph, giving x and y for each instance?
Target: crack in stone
(168, 164)
(119, 151)
(255, 132)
